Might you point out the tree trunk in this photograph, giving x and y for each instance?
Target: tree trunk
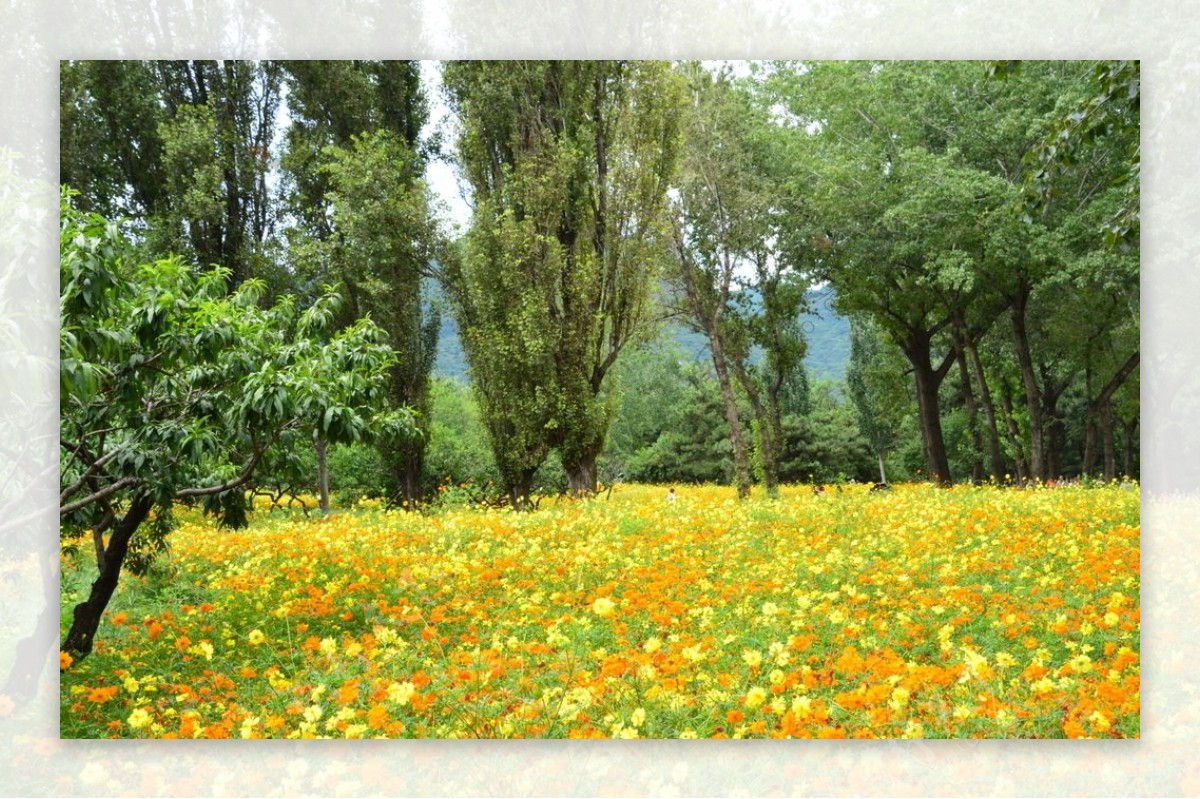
(995, 454)
(1033, 398)
(1130, 427)
(520, 489)
(1106, 439)
(408, 475)
(882, 473)
(964, 375)
(768, 440)
(87, 614)
(1100, 411)
(917, 348)
(582, 476)
(1055, 432)
(741, 459)
(29, 655)
(1089, 443)
(1014, 434)
(323, 473)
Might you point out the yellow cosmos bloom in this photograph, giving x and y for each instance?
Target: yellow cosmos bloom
(401, 693)
(603, 607)
(139, 719)
(256, 637)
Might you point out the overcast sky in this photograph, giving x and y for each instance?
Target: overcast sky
(441, 174)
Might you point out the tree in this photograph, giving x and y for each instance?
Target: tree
(382, 244)
(917, 170)
(354, 167)
(722, 222)
(173, 390)
(669, 423)
(874, 381)
(569, 162)
(182, 146)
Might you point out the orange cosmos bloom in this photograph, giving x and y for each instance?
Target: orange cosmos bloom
(101, 695)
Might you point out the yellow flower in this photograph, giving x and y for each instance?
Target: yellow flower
(401, 693)
(131, 684)
(256, 637)
(752, 657)
(139, 719)
(652, 645)
(248, 725)
(755, 697)
(603, 607)
(638, 717)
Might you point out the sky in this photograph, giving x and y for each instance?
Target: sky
(441, 175)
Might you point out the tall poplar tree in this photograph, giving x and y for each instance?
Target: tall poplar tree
(570, 163)
(355, 167)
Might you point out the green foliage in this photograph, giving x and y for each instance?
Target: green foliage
(825, 445)
(458, 450)
(671, 426)
(357, 471)
(570, 162)
(173, 389)
(364, 221)
(181, 146)
(876, 387)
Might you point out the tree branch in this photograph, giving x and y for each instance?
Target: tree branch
(246, 473)
(90, 473)
(103, 493)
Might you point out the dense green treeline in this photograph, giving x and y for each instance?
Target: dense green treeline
(977, 224)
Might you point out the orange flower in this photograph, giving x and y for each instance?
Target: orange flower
(377, 717)
(102, 695)
(348, 692)
(64, 661)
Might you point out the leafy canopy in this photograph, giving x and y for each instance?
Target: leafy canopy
(173, 389)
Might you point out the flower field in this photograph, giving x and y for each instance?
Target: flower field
(920, 612)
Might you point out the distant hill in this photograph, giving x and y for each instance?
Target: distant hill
(828, 342)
